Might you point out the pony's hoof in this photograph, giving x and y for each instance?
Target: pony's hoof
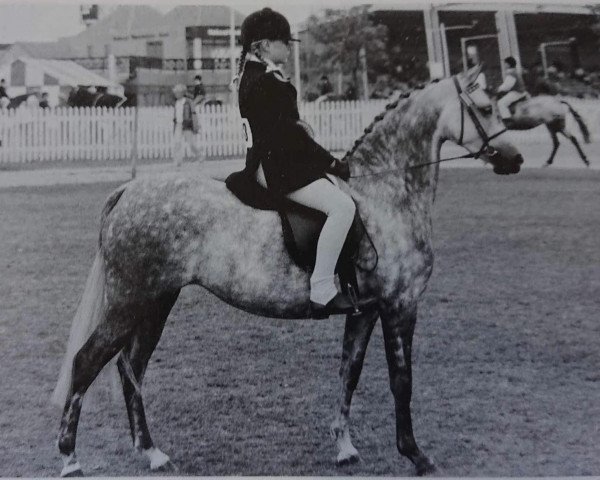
(158, 460)
(168, 467)
(347, 458)
(72, 471)
(425, 467)
(546, 165)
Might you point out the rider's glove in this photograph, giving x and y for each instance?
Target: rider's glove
(340, 169)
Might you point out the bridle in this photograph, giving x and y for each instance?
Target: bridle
(468, 105)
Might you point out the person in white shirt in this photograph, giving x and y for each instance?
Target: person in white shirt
(511, 90)
(185, 126)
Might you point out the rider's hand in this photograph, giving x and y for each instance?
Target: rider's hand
(340, 169)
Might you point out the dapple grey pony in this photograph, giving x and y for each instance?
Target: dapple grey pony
(159, 235)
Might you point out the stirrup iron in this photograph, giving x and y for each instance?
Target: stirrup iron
(354, 299)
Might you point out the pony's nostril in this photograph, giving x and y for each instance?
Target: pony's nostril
(519, 159)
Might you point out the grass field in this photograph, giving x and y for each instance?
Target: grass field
(506, 352)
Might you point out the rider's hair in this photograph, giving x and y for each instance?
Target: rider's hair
(254, 47)
(512, 63)
(241, 64)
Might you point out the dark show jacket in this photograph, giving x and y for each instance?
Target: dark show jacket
(290, 158)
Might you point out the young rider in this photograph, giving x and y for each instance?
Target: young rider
(512, 89)
(283, 157)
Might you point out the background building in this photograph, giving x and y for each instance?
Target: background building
(148, 52)
(556, 44)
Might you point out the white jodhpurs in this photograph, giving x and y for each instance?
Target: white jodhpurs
(504, 103)
(322, 195)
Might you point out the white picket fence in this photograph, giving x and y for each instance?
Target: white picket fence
(99, 134)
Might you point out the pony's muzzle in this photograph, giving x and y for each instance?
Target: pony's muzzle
(511, 167)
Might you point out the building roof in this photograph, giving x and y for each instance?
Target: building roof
(67, 72)
(125, 19)
(200, 15)
(59, 49)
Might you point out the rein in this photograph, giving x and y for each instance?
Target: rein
(466, 103)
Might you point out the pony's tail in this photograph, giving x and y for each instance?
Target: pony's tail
(88, 316)
(582, 126)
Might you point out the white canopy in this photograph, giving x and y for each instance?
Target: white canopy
(42, 72)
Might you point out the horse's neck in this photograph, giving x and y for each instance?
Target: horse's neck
(386, 162)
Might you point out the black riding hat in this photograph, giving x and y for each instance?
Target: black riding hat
(265, 24)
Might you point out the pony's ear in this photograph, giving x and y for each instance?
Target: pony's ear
(471, 75)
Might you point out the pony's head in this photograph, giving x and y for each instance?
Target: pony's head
(472, 121)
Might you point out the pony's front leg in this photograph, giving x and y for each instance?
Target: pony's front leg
(132, 365)
(356, 338)
(398, 328)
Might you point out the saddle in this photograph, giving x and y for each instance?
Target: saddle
(301, 227)
(513, 105)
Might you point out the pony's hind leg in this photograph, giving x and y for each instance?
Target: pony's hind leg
(398, 329)
(356, 338)
(132, 365)
(555, 144)
(575, 142)
(104, 343)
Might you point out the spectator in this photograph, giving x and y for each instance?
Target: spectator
(44, 101)
(199, 90)
(350, 93)
(325, 87)
(3, 89)
(185, 126)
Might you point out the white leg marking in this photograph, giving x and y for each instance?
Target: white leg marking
(70, 465)
(157, 458)
(346, 451)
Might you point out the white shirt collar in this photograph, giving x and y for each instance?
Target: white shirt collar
(271, 67)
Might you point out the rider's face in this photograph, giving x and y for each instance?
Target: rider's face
(277, 51)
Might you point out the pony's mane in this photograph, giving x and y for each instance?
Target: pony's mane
(390, 106)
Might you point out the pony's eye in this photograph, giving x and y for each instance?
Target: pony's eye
(487, 110)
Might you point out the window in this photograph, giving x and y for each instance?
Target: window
(154, 49)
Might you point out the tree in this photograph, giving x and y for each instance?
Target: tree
(340, 35)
